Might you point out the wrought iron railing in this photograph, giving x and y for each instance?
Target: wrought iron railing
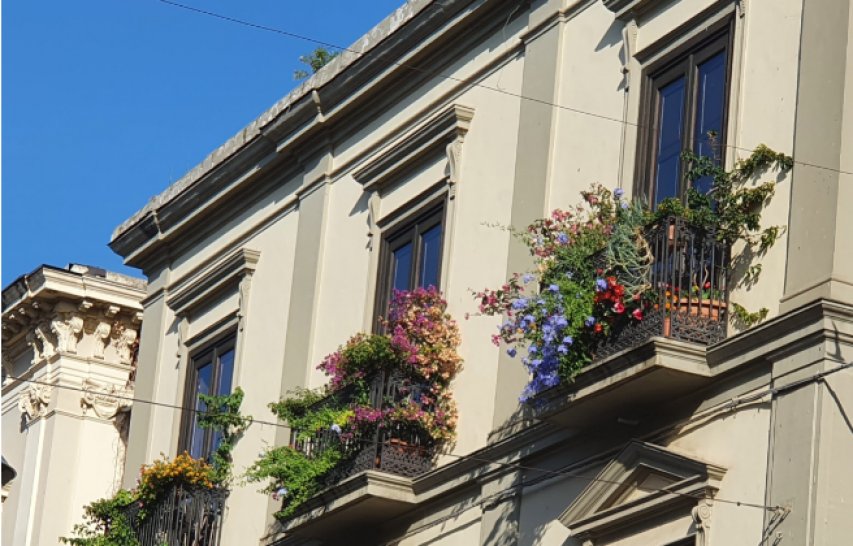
(688, 281)
(181, 516)
(396, 448)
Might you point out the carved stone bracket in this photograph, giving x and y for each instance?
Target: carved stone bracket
(34, 400)
(101, 334)
(68, 328)
(107, 401)
(124, 341)
(702, 518)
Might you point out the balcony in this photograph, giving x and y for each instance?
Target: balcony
(688, 283)
(662, 356)
(399, 449)
(182, 516)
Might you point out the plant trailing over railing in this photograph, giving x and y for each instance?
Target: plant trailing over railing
(379, 386)
(113, 521)
(597, 276)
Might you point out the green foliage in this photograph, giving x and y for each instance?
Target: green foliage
(315, 60)
(223, 416)
(105, 523)
(300, 412)
(744, 318)
(302, 475)
(627, 253)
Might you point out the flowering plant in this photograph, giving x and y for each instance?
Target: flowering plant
(590, 276)
(419, 350)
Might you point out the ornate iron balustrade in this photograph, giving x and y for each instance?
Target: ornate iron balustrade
(396, 449)
(689, 282)
(182, 516)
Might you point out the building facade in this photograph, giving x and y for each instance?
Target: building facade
(69, 355)
(390, 167)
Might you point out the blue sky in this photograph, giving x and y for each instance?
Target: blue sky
(106, 102)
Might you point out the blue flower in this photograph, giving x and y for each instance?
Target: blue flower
(618, 193)
(624, 205)
(519, 303)
(590, 321)
(554, 288)
(600, 285)
(511, 352)
(561, 321)
(562, 349)
(530, 319)
(563, 238)
(527, 277)
(533, 349)
(568, 340)
(335, 428)
(540, 302)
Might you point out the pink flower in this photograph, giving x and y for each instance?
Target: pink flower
(637, 314)
(618, 307)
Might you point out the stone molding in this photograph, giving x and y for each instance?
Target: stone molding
(34, 400)
(444, 132)
(107, 401)
(200, 285)
(629, 9)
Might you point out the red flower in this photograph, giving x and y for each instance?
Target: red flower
(707, 285)
(619, 308)
(597, 328)
(637, 314)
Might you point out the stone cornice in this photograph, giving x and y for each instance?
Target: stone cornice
(315, 110)
(630, 9)
(424, 141)
(198, 285)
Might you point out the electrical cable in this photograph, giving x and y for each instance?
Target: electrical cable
(554, 473)
(456, 79)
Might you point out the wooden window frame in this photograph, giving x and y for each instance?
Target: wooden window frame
(210, 352)
(399, 234)
(683, 61)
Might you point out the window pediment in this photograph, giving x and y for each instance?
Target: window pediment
(629, 9)
(642, 482)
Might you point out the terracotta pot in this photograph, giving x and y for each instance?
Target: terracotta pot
(705, 308)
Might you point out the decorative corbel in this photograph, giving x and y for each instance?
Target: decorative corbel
(372, 218)
(454, 164)
(124, 340)
(45, 336)
(102, 333)
(68, 329)
(34, 400)
(243, 300)
(702, 518)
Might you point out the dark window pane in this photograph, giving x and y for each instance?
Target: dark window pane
(226, 375)
(226, 371)
(670, 123)
(204, 378)
(402, 268)
(710, 105)
(430, 257)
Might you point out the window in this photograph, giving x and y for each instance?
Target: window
(410, 257)
(211, 371)
(685, 101)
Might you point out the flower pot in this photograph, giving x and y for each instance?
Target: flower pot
(708, 308)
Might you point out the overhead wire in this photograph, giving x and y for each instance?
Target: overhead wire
(470, 81)
(473, 457)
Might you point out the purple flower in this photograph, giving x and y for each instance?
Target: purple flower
(562, 349)
(519, 303)
(600, 285)
(568, 340)
(532, 349)
(561, 322)
(618, 193)
(562, 238)
(554, 288)
(511, 352)
(527, 277)
(624, 204)
(589, 321)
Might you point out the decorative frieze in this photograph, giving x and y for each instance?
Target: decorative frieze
(34, 400)
(107, 401)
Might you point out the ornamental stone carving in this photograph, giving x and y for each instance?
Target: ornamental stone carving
(107, 401)
(124, 342)
(46, 339)
(101, 335)
(68, 328)
(702, 519)
(34, 400)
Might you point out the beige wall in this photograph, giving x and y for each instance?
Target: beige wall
(309, 219)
